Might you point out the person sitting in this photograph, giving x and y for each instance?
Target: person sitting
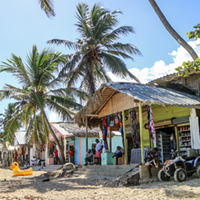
(33, 161)
(152, 160)
(89, 157)
(118, 153)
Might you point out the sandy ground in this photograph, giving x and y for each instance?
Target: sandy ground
(32, 187)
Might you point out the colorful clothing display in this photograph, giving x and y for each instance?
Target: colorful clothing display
(151, 126)
(105, 122)
(134, 126)
(121, 127)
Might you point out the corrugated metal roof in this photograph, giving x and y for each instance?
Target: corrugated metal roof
(144, 93)
(21, 137)
(155, 95)
(62, 130)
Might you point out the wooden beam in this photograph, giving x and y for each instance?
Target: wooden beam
(110, 139)
(86, 135)
(65, 147)
(141, 132)
(125, 139)
(91, 115)
(117, 103)
(177, 138)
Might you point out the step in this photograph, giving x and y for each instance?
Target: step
(104, 167)
(100, 170)
(102, 173)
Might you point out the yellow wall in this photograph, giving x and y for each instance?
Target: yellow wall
(161, 113)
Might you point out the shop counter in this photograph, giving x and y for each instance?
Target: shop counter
(107, 159)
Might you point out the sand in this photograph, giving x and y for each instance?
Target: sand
(32, 187)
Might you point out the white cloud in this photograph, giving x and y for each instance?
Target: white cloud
(53, 117)
(160, 68)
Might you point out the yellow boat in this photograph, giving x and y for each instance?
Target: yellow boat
(18, 172)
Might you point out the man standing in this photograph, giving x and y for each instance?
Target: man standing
(71, 155)
(56, 157)
(89, 157)
(98, 149)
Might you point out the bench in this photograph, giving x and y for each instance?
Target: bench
(144, 172)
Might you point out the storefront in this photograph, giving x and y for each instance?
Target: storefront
(130, 102)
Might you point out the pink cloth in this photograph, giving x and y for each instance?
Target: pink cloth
(98, 154)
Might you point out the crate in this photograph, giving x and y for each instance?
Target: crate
(107, 159)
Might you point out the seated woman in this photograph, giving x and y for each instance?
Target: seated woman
(89, 157)
(118, 153)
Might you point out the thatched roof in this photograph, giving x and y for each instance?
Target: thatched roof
(139, 92)
(73, 129)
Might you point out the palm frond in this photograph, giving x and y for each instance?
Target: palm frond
(117, 66)
(68, 44)
(48, 7)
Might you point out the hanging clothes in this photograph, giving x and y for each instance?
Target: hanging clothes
(134, 126)
(104, 131)
(23, 150)
(151, 126)
(121, 128)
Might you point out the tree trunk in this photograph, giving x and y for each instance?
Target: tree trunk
(169, 28)
(54, 136)
(90, 78)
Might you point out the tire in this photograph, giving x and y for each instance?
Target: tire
(180, 175)
(198, 171)
(162, 176)
(190, 174)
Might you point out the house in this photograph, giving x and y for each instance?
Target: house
(70, 135)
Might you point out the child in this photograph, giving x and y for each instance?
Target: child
(152, 161)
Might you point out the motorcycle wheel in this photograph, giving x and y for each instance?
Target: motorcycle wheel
(162, 176)
(180, 175)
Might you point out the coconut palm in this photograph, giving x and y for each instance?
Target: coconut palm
(170, 29)
(97, 49)
(48, 7)
(40, 91)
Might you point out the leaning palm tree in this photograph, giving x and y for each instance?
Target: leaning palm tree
(48, 7)
(170, 29)
(40, 91)
(97, 49)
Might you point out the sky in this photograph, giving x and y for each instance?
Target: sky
(24, 24)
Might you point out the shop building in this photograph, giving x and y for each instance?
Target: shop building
(172, 113)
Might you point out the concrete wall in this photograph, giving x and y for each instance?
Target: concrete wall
(80, 143)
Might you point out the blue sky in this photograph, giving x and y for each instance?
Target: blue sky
(23, 24)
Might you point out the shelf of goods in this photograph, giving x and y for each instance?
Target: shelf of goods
(184, 139)
(163, 145)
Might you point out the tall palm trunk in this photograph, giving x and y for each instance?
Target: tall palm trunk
(54, 136)
(169, 28)
(90, 77)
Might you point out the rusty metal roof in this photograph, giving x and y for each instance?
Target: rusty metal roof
(144, 93)
(155, 95)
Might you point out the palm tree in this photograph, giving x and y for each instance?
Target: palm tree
(40, 91)
(97, 48)
(48, 7)
(174, 34)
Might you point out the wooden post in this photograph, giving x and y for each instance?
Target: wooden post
(86, 136)
(110, 139)
(177, 138)
(141, 132)
(125, 140)
(65, 147)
